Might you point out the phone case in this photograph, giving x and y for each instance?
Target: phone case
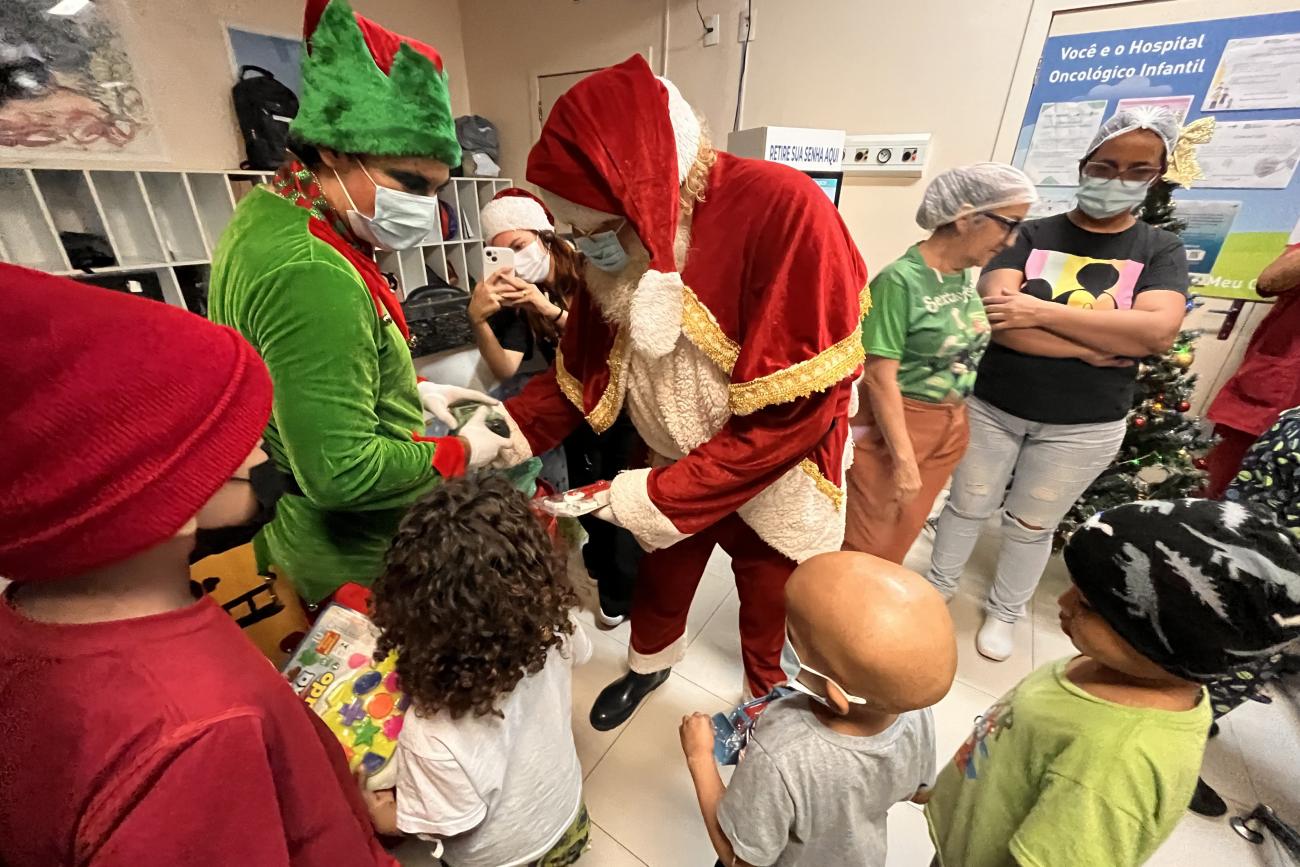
(496, 258)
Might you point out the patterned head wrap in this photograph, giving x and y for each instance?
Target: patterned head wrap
(1199, 587)
(1269, 478)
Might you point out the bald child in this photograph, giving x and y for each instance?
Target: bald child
(876, 649)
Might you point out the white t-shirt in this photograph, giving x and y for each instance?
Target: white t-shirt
(498, 791)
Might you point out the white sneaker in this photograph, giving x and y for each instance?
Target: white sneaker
(994, 639)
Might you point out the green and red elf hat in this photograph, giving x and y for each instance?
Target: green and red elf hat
(368, 90)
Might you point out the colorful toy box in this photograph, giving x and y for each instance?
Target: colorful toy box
(360, 700)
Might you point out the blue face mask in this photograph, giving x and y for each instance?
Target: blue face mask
(604, 250)
(1100, 198)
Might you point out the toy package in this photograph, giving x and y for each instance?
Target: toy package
(731, 730)
(360, 700)
(577, 502)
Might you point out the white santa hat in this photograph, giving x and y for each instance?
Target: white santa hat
(513, 209)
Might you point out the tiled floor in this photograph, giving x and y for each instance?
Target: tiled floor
(643, 805)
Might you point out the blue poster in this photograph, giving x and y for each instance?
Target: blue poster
(1241, 215)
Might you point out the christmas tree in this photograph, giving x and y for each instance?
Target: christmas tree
(1163, 451)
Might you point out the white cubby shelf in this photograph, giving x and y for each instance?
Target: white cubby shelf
(156, 229)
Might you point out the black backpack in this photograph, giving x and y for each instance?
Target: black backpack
(264, 107)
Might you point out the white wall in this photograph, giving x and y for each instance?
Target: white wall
(940, 66)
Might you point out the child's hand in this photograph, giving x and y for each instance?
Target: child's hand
(382, 806)
(697, 736)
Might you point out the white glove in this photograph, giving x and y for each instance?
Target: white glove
(484, 446)
(437, 400)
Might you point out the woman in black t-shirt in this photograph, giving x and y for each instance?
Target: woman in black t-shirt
(518, 318)
(1074, 304)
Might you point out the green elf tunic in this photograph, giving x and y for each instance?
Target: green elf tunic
(346, 421)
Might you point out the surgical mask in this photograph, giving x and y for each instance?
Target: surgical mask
(268, 485)
(402, 220)
(820, 698)
(604, 250)
(533, 263)
(1100, 198)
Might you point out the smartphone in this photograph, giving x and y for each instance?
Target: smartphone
(496, 258)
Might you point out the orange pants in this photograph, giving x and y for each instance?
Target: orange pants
(875, 524)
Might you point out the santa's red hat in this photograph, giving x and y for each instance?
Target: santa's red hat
(514, 208)
(121, 418)
(622, 142)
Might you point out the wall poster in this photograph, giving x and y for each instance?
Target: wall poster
(67, 84)
(1244, 72)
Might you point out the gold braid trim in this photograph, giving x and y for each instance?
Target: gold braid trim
(800, 380)
(864, 301)
(611, 402)
(825, 485)
(703, 330)
(568, 384)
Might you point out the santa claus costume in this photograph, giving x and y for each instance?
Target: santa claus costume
(722, 312)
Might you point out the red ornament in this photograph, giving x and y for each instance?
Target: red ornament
(1200, 463)
(1139, 421)
(1184, 406)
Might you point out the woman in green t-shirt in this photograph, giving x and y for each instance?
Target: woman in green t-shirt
(924, 336)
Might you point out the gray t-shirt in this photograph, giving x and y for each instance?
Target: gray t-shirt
(805, 795)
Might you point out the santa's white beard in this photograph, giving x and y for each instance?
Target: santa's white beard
(613, 292)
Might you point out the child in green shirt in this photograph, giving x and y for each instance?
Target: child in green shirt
(1093, 760)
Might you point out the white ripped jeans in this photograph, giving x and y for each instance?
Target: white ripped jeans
(1048, 466)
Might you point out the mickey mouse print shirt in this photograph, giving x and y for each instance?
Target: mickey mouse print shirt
(1102, 271)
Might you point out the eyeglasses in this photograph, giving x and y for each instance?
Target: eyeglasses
(798, 686)
(1011, 225)
(1136, 175)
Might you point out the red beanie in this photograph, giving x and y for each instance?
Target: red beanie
(121, 418)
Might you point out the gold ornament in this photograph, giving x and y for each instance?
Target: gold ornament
(1157, 407)
(1183, 166)
(1183, 359)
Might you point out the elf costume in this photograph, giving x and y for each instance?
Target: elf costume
(294, 279)
(737, 371)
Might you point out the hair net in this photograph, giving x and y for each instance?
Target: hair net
(972, 189)
(1160, 121)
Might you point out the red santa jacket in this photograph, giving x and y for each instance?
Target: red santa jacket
(775, 292)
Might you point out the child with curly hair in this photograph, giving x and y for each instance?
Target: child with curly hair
(473, 599)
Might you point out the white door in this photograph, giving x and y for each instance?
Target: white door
(551, 87)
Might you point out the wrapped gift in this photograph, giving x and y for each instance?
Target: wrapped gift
(359, 698)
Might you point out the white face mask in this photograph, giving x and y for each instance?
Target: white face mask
(533, 263)
(402, 220)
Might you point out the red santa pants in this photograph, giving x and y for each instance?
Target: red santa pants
(666, 585)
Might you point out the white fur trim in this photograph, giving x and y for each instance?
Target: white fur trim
(518, 450)
(512, 212)
(656, 317)
(686, 129)
(578, 216)
(629, 499)
(795, 517)
(855, 402)
(649, 663)
(677, 402)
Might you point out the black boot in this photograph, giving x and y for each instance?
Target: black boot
(617, 701)
(1206, 801)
